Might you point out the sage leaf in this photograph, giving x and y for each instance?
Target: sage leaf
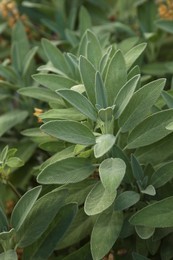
(69, 131)
(69, 170)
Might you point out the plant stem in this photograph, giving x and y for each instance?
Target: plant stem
(14, 189)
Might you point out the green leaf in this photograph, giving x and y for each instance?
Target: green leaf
(103, 144)
(4, 153)
(80, 102)
(100, 92)
(53, 81)
(157, 214)
(165, 25)
(149, 190)
(80, 228)
(40, 216)
(94, 51)
(63, 113)
(126, 199)
(168, 99)
(69, 131)
(132, 55)
(112, 171)
(14, 162)
(23, 207)
(65, 153)
(84, 20)
(124, 95)
(9, 255)
(116, 76)
(20, 46)
(39, 93)
(88, 72)
(56, 57)
(157, 152)
(69, 170)
(28, 60)
(11, 119)
(139, 257)
(83, 253)
(98, 200)
(144, 232)
(162, 175)
(105, 232)
(137, 169)
(3, 221)
(140, 104)
(106, 114)
(56, 231)
(151, 130)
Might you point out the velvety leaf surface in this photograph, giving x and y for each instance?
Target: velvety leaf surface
(158, 214)
(112, 171)
(103, 144)
(105, 232)
(80, 102)
(98, 200)
(116, 76)
(70, 170)
(140, 104)
(88, 72)
(69, 131)
(151, 130)
(39, 218)
(23, 207)
(10, 119)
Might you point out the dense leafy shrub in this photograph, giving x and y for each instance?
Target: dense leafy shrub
(103, 187)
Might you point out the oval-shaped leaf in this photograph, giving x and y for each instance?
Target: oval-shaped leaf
(151, 130)
(80, 102)
(3, 221)
(144, 232)
(103, 144)
(93, 50)
(56, 57)
(98, 200)
(162, 175)
(100, 92)
(158, 214)
(23, 207)
(126, 200)
(132, 55)
(64, 114)
(105, 232)
(124, 95)
(69, 170)
(53, 81)
(56, 231)
(112, 171)
(88, 72)
(40, 216)
(9, 255)
(140, 104)
(39, 93)
(11, 119)
(116, 76)
(69, 131)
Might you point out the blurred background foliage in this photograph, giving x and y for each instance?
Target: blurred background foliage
(22, 26)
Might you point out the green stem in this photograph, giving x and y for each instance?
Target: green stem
(14, 189)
